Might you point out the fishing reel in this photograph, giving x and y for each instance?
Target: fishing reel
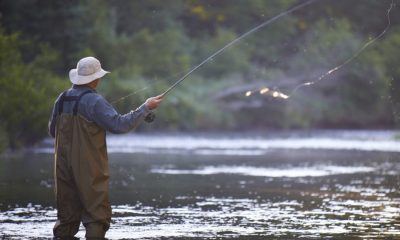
(150, 117)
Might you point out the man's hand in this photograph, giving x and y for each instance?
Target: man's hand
(153, 102)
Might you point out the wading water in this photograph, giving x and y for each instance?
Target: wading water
(246, 187)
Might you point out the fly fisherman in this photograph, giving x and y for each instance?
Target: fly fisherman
(79, 122)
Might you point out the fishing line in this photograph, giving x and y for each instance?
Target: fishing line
(258, 27)
(332, 70)
(148, 86)
(235, 41)
(133, 93)
(354, 55)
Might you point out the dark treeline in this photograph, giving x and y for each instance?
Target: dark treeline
(147, 45)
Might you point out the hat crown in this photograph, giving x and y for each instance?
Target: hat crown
(87, 70)
(88, 66)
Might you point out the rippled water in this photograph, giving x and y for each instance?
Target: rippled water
(283, 193)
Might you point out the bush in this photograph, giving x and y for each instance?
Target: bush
(27, 91)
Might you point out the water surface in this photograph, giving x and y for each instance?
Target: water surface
(223, 187)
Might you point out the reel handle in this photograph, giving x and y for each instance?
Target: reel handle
(150, 117)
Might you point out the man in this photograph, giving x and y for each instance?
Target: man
(79, 122)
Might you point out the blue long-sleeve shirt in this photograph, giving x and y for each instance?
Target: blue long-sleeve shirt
(93, 107)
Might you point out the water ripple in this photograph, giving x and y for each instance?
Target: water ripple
(211, 217)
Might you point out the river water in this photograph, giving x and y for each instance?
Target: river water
(292, 185)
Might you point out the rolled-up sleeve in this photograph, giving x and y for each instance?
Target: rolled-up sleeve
(109, 119)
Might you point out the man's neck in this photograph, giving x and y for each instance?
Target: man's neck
(83, 86)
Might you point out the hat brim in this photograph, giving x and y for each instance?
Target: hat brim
(77, 79)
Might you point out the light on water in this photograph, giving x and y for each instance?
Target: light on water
(249, 145)
(313, 171)
(242, 187)
(210, 217)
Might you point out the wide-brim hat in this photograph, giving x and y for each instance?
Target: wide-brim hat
(87, 70)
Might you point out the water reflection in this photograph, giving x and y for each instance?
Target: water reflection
(247, 144)
(312, 171)
(287, 194)
(210, 217)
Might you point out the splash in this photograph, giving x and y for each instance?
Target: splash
(264, 90)
(277, 94)
(355, 55)
(267, 91)
(234, 41)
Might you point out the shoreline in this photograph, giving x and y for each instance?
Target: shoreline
(245, 143)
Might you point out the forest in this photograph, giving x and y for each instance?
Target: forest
(148, 45)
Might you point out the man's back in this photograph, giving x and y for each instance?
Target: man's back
(79, 121)
(93, 107)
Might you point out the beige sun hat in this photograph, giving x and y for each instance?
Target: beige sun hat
(87, 70)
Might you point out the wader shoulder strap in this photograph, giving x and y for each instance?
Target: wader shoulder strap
(75, 111)
(75, 99)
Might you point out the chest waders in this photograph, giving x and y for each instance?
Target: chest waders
(81, 174)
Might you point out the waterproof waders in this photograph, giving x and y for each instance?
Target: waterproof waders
(81, 174)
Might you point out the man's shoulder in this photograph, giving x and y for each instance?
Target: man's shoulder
(84, 93)
(91, 98)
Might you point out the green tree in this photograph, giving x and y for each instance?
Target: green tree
(27, 90)
(63, 25)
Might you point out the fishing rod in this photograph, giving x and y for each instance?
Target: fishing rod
(235, 41)
(150, 117)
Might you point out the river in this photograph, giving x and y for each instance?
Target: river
(280, 185)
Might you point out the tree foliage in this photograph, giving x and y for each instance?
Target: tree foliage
(148, 45)
(26, 90)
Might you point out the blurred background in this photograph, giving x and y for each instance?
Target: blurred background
(148, 45)
(221, 160)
